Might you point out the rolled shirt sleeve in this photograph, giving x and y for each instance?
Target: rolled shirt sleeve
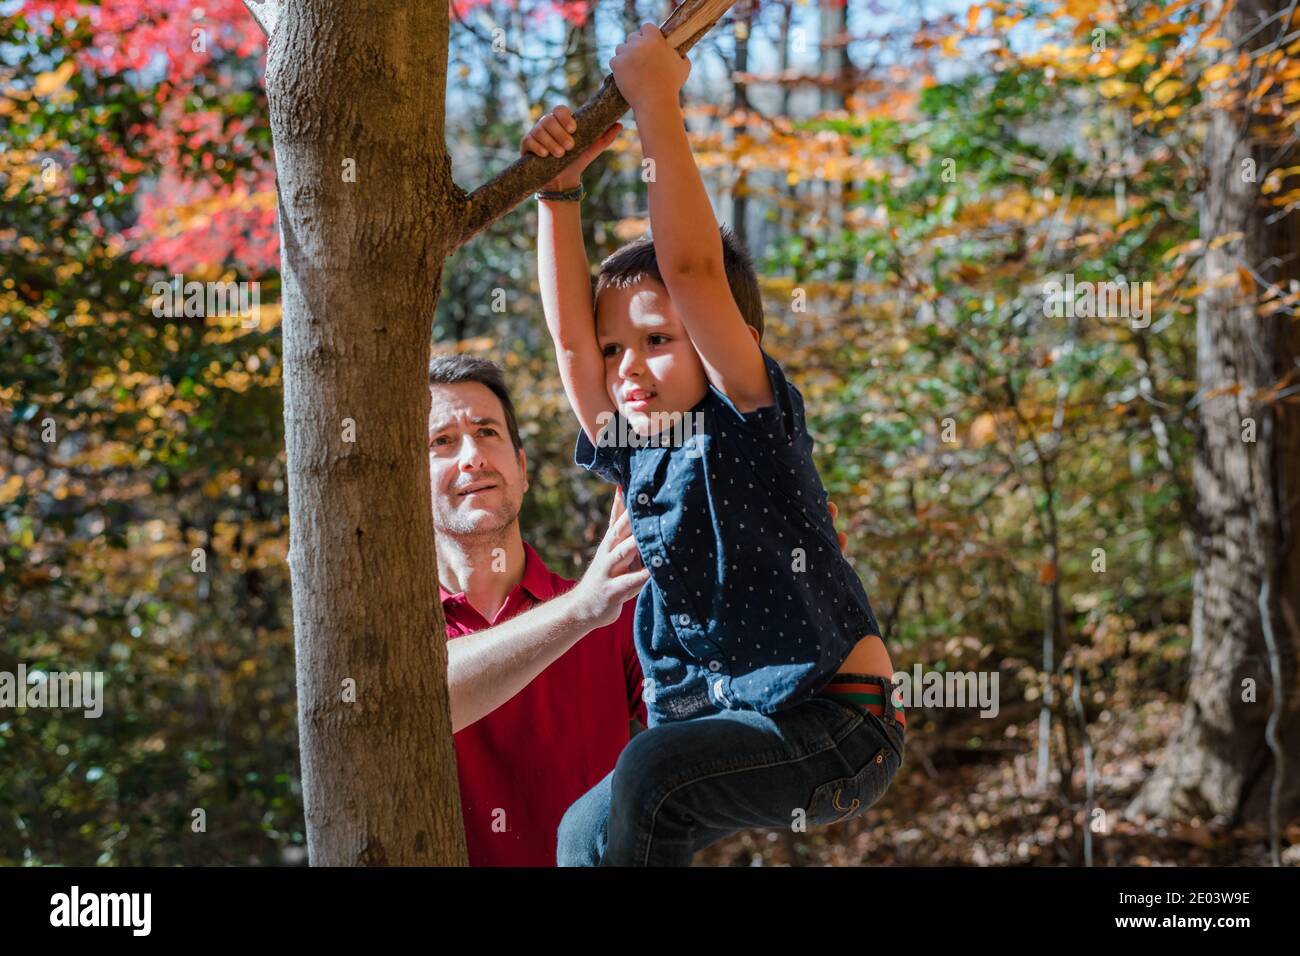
(608, 456)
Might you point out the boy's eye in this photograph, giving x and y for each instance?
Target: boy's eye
(609, 350)
(658, 339)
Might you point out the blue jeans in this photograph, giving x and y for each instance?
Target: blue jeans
(681, 786)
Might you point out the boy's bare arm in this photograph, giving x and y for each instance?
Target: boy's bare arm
(562, 273)
(688, 247)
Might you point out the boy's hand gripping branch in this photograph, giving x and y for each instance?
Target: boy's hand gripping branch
(493, 199)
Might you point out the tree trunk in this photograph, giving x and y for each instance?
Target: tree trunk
(1248, 489)
(356, 93)
(744, 23)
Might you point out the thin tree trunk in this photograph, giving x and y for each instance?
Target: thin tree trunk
(1219, 760)
(744, 23)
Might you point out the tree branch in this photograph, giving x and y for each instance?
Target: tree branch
(265, 12)
(684, 26)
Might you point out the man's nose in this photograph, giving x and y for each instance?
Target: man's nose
(471, 456)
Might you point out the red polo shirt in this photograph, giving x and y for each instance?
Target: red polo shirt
(525, 763)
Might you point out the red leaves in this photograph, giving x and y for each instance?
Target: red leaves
(147, 34)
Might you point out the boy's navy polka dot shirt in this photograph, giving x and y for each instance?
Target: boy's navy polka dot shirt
(750, 603)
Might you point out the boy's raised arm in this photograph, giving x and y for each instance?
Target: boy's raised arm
(688, 247)
(562, 272)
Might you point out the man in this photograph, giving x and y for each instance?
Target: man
(542, 674)
(540, 701)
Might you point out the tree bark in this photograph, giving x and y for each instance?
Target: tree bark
(356, 92)
(1246, 602)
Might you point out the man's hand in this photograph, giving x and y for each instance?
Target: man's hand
(615, 574)
(551, 136)
(647, 69)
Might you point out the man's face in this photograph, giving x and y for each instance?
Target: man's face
(651, 366)
(478, 477)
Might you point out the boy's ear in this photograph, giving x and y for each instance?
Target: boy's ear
(754, 332)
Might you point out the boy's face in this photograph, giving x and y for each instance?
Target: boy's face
(651, 366)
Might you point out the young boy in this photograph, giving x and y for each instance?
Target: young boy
(767, 688)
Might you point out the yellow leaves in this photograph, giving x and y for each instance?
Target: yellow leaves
(1220, 71)
(983, 430)
(1017, 206)
(1083, 12)
(10, 488)
(1133, 54)
(972, 18)
(49, 83)
(949, 45)
(1166, 91)
(1113, 89)
(1227, 237)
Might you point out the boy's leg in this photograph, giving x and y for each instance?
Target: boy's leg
(580, 840)
(681, 786)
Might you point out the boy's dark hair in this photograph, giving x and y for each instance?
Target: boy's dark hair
(637, 260)
(457, 369)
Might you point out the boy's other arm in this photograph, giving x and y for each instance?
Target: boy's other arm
(563, 276)
(688, 247)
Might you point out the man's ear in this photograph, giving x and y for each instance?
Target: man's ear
(523, 467)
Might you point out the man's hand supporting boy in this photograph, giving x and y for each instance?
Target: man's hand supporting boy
(650, 74)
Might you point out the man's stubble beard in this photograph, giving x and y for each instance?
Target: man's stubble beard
(457, 528)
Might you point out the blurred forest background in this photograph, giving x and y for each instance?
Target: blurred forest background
(907, 175)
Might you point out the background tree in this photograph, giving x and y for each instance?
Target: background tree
(1235, 750)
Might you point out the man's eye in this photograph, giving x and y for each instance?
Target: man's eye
(487, 431)
(439, 440)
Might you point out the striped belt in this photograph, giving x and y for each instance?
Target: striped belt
(864, 692)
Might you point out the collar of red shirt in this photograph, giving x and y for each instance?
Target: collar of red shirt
(537, 580)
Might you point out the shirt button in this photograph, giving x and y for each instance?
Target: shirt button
(656, 560)
(642, 499)
(715, 665)
(683, 620)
